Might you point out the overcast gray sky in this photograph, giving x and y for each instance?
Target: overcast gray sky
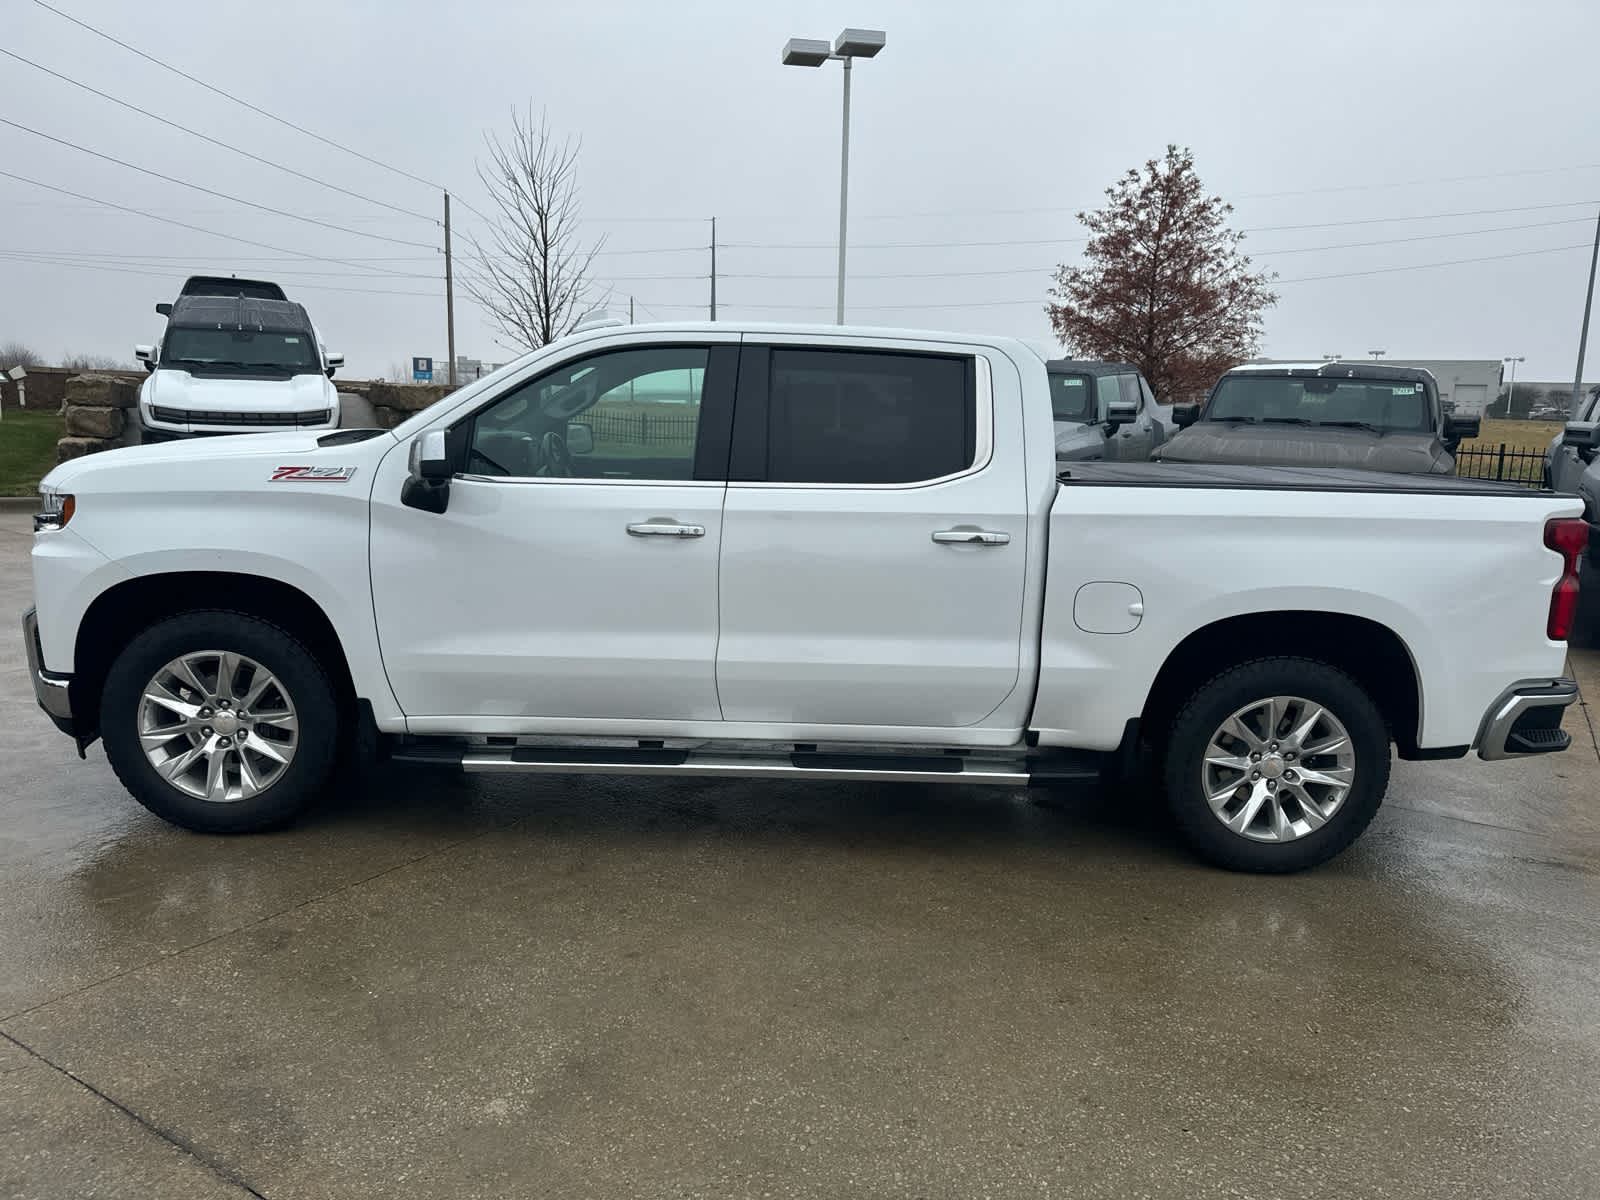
(976, 135)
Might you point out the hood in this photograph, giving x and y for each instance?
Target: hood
(210, 393)
(1076, 441)
(1308, 446)
(162, 458)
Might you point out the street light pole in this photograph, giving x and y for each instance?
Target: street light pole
(1583, 337)
(1511, 389)
(813, 52)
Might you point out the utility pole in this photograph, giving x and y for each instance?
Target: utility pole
(630, 310)
(713, 268)
(1583, 337)
(449, 293)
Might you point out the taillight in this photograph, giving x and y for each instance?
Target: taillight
(1568, 536)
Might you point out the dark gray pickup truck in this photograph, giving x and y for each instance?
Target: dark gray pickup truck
(1332, 414)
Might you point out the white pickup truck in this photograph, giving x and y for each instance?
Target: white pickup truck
(798, 553)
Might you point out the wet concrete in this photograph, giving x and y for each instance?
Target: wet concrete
(596, 987)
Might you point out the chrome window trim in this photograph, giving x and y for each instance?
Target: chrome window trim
(983, 447)
(591, 480)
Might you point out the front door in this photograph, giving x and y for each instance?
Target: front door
(874, 539)
(574, 572)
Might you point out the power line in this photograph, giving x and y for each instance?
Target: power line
(1454, 262)
(232, 258)
(185, 225)
(1424, 237)
(267, 208)
(1478, 212)
(120, 270)
(58, 256)
(145, 112)
(166, 66)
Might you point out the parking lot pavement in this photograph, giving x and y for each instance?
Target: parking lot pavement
(603, 987)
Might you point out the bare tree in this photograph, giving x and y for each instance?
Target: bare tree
(78, 361)
(531, 276)
(16, 354)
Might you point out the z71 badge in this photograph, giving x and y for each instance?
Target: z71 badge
(312, 475)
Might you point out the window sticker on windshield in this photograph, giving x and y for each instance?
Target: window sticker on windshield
(293, 341)
(1408, 390)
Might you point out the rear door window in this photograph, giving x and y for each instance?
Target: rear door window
(867, 417)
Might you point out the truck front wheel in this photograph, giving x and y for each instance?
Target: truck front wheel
(219, 722)
(1276, 765)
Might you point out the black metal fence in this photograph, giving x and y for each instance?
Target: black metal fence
(1508, 463)
(643, 428)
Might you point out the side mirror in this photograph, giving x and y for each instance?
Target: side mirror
(1457, 429)
(164, 310)
(428, 485)
(1583, 437)
(146, 355)
(1120, 413)
(1185, 415)
(332, 362)
(580, 438)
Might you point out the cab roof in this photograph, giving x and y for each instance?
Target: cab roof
(239, 312)
(1083, 366)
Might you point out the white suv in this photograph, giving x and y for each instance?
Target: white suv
(236, 364)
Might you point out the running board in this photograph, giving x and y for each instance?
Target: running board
(1018, 771)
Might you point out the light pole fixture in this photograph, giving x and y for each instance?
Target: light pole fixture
(1511, 390)
(812, 52)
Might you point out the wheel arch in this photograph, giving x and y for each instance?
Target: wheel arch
(1371, 653)
(121, 612)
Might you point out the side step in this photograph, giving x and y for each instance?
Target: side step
(1015, 771)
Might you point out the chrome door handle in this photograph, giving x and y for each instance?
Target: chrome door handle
(971, 537)
(665, 529)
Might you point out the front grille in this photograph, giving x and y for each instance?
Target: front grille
(192, 416)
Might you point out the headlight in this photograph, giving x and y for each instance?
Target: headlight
(56, 509)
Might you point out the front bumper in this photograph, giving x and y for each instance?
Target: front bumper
(1526, 719)
(52, 689)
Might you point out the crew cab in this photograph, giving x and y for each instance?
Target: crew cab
(1328, 414)
(230, 363)
(789, 552)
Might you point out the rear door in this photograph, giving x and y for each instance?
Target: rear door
(874, 536)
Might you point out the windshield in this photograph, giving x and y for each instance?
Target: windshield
(293, 353)
(1359, 403)
(1081, 398)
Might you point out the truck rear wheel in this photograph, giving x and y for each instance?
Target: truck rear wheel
(219, 722)
(1276, 765)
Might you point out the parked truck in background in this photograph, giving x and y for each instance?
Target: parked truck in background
(787, 552)
(1330, 414)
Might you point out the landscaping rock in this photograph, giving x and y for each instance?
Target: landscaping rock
(94, 422)
(69, 448)
(101, 391)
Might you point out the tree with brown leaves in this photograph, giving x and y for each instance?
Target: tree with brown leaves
(532, 274)
(1163, 284)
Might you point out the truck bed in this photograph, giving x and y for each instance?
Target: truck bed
(1270, 478)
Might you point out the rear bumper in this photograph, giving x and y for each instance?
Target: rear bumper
(1526, 719)
(51, 689)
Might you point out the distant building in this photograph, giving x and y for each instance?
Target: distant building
(1467, 385)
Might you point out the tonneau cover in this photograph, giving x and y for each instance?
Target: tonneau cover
(1308, 479)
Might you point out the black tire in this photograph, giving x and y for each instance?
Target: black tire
(1214, 702)
(316, 709)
